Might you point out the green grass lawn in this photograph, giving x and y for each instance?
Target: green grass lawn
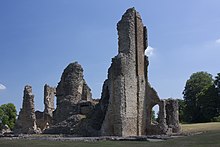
(200, 127)
(210, 138)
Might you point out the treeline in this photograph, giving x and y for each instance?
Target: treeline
(201, 99)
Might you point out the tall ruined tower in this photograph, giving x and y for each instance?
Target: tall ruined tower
(127, 79)
(129, 94)
(49, 94)
(26, 122)
(71, 89)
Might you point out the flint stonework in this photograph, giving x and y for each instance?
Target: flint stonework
(127, 98)
(131, 98)
(26, 122)
(71, 89)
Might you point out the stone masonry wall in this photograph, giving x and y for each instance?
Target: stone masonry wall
(49, 95)
(172, 117)
(71, 89)
(126, 79)
(125, 107)
(26, 122)
(131, 98)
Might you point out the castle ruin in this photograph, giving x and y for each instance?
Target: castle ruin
(26, 121)
(127, 99)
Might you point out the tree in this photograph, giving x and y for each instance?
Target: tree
(209, 104)
(8, 114)
(217, 81)
(153, 116)
(217, 86)
(182, 107)
(197, 93)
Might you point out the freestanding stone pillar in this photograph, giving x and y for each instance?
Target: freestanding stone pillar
(172, 118)
(26, 122)
(126, 114)
(49, 94)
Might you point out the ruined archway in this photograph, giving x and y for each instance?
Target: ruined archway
(154, 114)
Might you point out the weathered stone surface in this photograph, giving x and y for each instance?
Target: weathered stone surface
(85, 107)
(127, 97)
(168, 114)
(172, 117)
(75, 106)
(126, 80)
(71, 90)
(130, 96)
(40, 120)
(161, 127)
(68, 126)
(49, 94)
(44, 119)
(26, 122)
(79, 124)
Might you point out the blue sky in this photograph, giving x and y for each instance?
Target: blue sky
(38, 39)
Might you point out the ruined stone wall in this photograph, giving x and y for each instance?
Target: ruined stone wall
(172, 113)
(168, 118)
(131, 98)
(141, 45)
(44, 119)
(40, 120)
(152, 99)
(126, 80)
(26, 122)
(71, 89)
(127, 97)
(49, 95)
(86, 92)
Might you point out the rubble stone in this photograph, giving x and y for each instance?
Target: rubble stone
(26, 122)
(71, 89)
(75, 105)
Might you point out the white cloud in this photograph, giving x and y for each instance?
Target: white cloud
(149, 51)
(218, 41)
(2, 87)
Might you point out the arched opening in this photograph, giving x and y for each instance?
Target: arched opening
(154, 114)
